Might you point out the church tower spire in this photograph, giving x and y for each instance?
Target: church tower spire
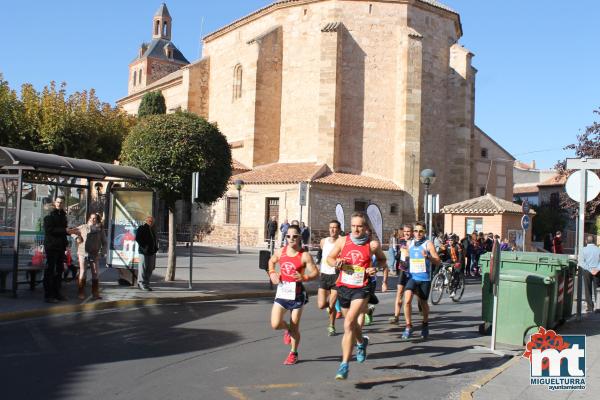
(161, 23)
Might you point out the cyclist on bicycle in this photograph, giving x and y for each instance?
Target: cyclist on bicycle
(455, 256)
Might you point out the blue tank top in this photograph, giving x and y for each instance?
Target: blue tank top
(419, 267)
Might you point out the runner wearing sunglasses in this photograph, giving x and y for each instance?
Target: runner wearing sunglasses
(422, 255)
(291, 294)
(407, 236)
(351, 255)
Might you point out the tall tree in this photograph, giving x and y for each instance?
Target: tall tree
(588, 146)
(77, 125)
(169, 148)
(152, 103)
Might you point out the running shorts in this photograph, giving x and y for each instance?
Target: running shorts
(420, 288)
(327, 281)
(347, 295)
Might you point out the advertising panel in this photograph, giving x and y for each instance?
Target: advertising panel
(129, 209)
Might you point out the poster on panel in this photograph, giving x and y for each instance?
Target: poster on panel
(128, 210)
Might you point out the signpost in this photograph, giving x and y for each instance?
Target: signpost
(302, 191)
(195, 195)
(525, 222)
(582, 164)
(431, 206)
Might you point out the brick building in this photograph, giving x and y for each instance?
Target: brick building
(353, 97)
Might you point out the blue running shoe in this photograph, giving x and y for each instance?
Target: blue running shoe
(361, 350)
(407, 333)
(342, 372)
(425, 331)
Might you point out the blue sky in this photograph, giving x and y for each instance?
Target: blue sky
(537, 61)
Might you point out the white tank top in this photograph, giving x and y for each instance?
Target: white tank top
(325, 267)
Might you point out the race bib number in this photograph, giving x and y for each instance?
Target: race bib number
(286, 291)
(353, 275)
(417, 265)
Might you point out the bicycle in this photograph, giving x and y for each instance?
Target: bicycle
(441, 283)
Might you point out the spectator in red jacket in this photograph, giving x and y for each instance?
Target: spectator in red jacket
(557, 246)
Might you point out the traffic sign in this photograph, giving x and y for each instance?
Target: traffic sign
(302, 193)
(525, 207)
(573, 186)
(583, 163)
(525, 221)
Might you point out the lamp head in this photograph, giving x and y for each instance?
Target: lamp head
(239, 184)
(427, 176)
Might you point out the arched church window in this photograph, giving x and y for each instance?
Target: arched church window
(156, 28)
(140, 77)
(164, 28)
(134, 77)
(237, 82)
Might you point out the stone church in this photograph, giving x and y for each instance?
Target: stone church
(352, 97)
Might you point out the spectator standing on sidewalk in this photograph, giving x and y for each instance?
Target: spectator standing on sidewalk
(557, 246)
(55, 244)
(89, 242)
(590, 270)
(283, 229)
(272, 229)
(148, 246)
(305, 232)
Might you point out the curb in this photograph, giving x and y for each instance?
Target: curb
(126, 303)
(467, 393)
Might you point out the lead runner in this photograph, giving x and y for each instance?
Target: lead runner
(351, 255)
(291, 294)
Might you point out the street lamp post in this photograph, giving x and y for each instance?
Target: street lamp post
(239, 184)
(427, 178)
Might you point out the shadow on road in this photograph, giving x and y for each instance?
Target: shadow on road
(45, 358)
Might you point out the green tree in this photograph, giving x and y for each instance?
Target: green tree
(152, 103)
(169, 148)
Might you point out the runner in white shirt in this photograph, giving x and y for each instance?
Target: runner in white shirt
(327, 294)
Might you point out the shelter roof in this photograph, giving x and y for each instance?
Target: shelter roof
(488, 204)
(54, 164)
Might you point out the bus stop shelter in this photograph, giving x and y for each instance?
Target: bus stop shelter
(29, 183)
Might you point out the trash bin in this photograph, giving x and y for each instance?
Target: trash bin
(545, 264)
(523, 303)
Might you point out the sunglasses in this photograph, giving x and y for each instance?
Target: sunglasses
(292, 236)
(419, 231)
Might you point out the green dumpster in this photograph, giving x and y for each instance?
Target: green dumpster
(555, 266)
(523, 303)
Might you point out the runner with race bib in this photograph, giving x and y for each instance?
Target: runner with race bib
(422, 255)
(351, 255)
(291, 294)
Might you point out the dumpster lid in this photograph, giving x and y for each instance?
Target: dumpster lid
(525, 277)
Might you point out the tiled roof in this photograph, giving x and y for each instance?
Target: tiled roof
(359, 181)
(156, 49)
(310, 172)
(556, 180)
(276, 4)
(487, 204)
(283, 173)
(525, 189)
(236, 165)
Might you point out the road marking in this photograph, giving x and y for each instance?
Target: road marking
(236, 393)
(467, 393)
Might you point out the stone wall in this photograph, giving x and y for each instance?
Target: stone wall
(196, 78)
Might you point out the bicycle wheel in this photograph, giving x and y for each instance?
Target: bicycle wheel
(437, 289)
(460, 288)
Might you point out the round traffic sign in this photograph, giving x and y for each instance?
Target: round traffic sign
(525, 221)
(573, 186)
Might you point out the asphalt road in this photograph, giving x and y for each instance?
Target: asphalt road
(226, 350)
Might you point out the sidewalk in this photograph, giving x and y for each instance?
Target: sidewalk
(218, 273)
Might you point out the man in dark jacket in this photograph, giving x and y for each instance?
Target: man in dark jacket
(271, 229)
(147, 247)
(55, 244)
